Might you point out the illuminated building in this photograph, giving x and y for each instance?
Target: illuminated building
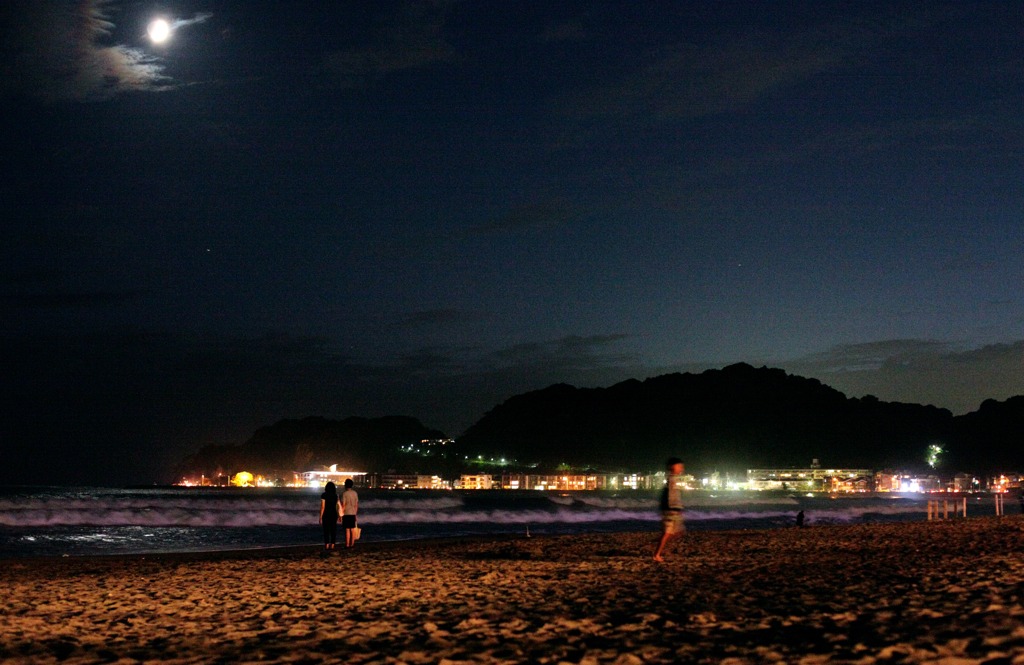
(320, 478)
(965, 482)
(413, 481)
(1004, 482)
(574, 481)
(916, 484)
(717, 481)
(812, 479)
(887, 481)
(480, 481)
(893, 481)
(566, 482)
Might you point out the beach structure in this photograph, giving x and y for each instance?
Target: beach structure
(947, 508)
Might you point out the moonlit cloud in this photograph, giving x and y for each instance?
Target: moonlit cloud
(60, 53)
(198, 18)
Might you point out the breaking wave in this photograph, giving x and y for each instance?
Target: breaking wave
(72, 522)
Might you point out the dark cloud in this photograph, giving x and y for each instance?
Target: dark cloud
(59, 300)
(430, 364)
(534, 216)
(407, 39)
(574, 30)
(438, 317)
(953, 134)
(685, 80)
(966, 263)
(920, 371)
(538, 215)
(580, 353)
(29, 277)
(871, 355)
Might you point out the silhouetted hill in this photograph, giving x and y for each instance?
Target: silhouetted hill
(363, 444)
(735, 417)
(732, 418)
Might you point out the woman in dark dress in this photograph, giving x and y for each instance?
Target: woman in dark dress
(330, 509)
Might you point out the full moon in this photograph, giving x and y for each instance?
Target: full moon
(159, 30)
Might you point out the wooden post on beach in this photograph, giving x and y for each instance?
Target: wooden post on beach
(947, 506)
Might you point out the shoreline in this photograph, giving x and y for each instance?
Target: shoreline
(273, 551)
(908, 592)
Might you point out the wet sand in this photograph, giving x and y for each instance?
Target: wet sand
(950, 593)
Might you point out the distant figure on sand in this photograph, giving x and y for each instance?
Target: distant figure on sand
(671, 507)
(330, 509)
(800, 518)
(349, 509)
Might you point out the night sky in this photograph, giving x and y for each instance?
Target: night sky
(423, 208)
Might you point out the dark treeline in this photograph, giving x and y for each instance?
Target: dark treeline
(729, 419)
(356, 444)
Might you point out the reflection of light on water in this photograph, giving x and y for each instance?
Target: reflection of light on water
(30, 539)
(94, 537)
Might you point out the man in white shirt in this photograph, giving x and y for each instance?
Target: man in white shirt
(671, 507)
(349, 508)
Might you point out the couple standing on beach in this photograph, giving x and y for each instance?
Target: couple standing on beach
(332, 507)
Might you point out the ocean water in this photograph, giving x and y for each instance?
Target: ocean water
(52, 521)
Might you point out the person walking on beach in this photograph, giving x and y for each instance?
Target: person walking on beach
(671, 507)
(349, 509)
(330, 509)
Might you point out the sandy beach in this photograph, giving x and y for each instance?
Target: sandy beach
(949, 592)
